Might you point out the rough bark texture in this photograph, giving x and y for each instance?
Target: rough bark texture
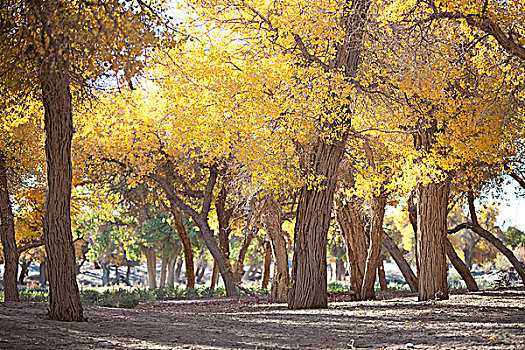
(309, 287)
(163, 270)
(403, 265)
(64, 296)
(375, 242)
(460, 267)
(432, 211)
(7, 236)
(272, 222)
(214, 276)
(266, 265)
(186, 246)
(224, 216)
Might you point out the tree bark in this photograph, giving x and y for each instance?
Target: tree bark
(178, 269)
(151, 263)
(350, 219)
(223, 217)
(171, 267)
(7, 236)
(309, 286)
(239, 265)
(24, 268)
(64, 296)
(460, 267)
(272, 222)
(267, 264)
(405, 268)
(163, 270)
(186, 246)
(375, 242)
(214, 276)
(432, 211)
(383, 284)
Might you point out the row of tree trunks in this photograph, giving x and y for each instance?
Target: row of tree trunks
(432, 211)
(403, 265)
(7, 236)
(272, 223)
(239, 265)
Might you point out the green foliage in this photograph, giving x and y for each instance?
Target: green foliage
(337, 287)
(515, 236)
(502, 281)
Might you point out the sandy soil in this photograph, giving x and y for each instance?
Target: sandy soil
(485, 320)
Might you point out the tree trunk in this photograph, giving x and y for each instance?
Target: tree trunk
(432, 211)
(186, 246)
(309, 284)
(272, 221)
(396, 254)
(7, 236)
(383, 284)
(339, 269)
(163, 270)
(267, 264)
(24, 268)
(64, 296)
(43, 276)
(171, 267)
(214, 276)
(375, 242)
(239, 265)
(178, 269)
(460, 267)
(350, 219)
(151, 263)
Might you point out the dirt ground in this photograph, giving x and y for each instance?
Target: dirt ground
(484, 320)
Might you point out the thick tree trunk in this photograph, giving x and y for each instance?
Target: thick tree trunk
(186, 246)
(396, 254)
(64, 296)
(375, 242)
(7, 236)
(432, 211)
(267, 264)
(239, 265)
(309, 284)
(272, 221)
(460, 267)
(151, 263)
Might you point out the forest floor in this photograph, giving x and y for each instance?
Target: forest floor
(492, 319)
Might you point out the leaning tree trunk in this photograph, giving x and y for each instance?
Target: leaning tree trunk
(460, 267)
(405, 268)
(309, 285)
(432, 202)
(64, 296)
(375, 242)
(239, 264)
(7, 236)
(186, 246)
(476, 227)
(272, 221)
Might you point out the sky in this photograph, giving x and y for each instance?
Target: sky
(511, 209)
